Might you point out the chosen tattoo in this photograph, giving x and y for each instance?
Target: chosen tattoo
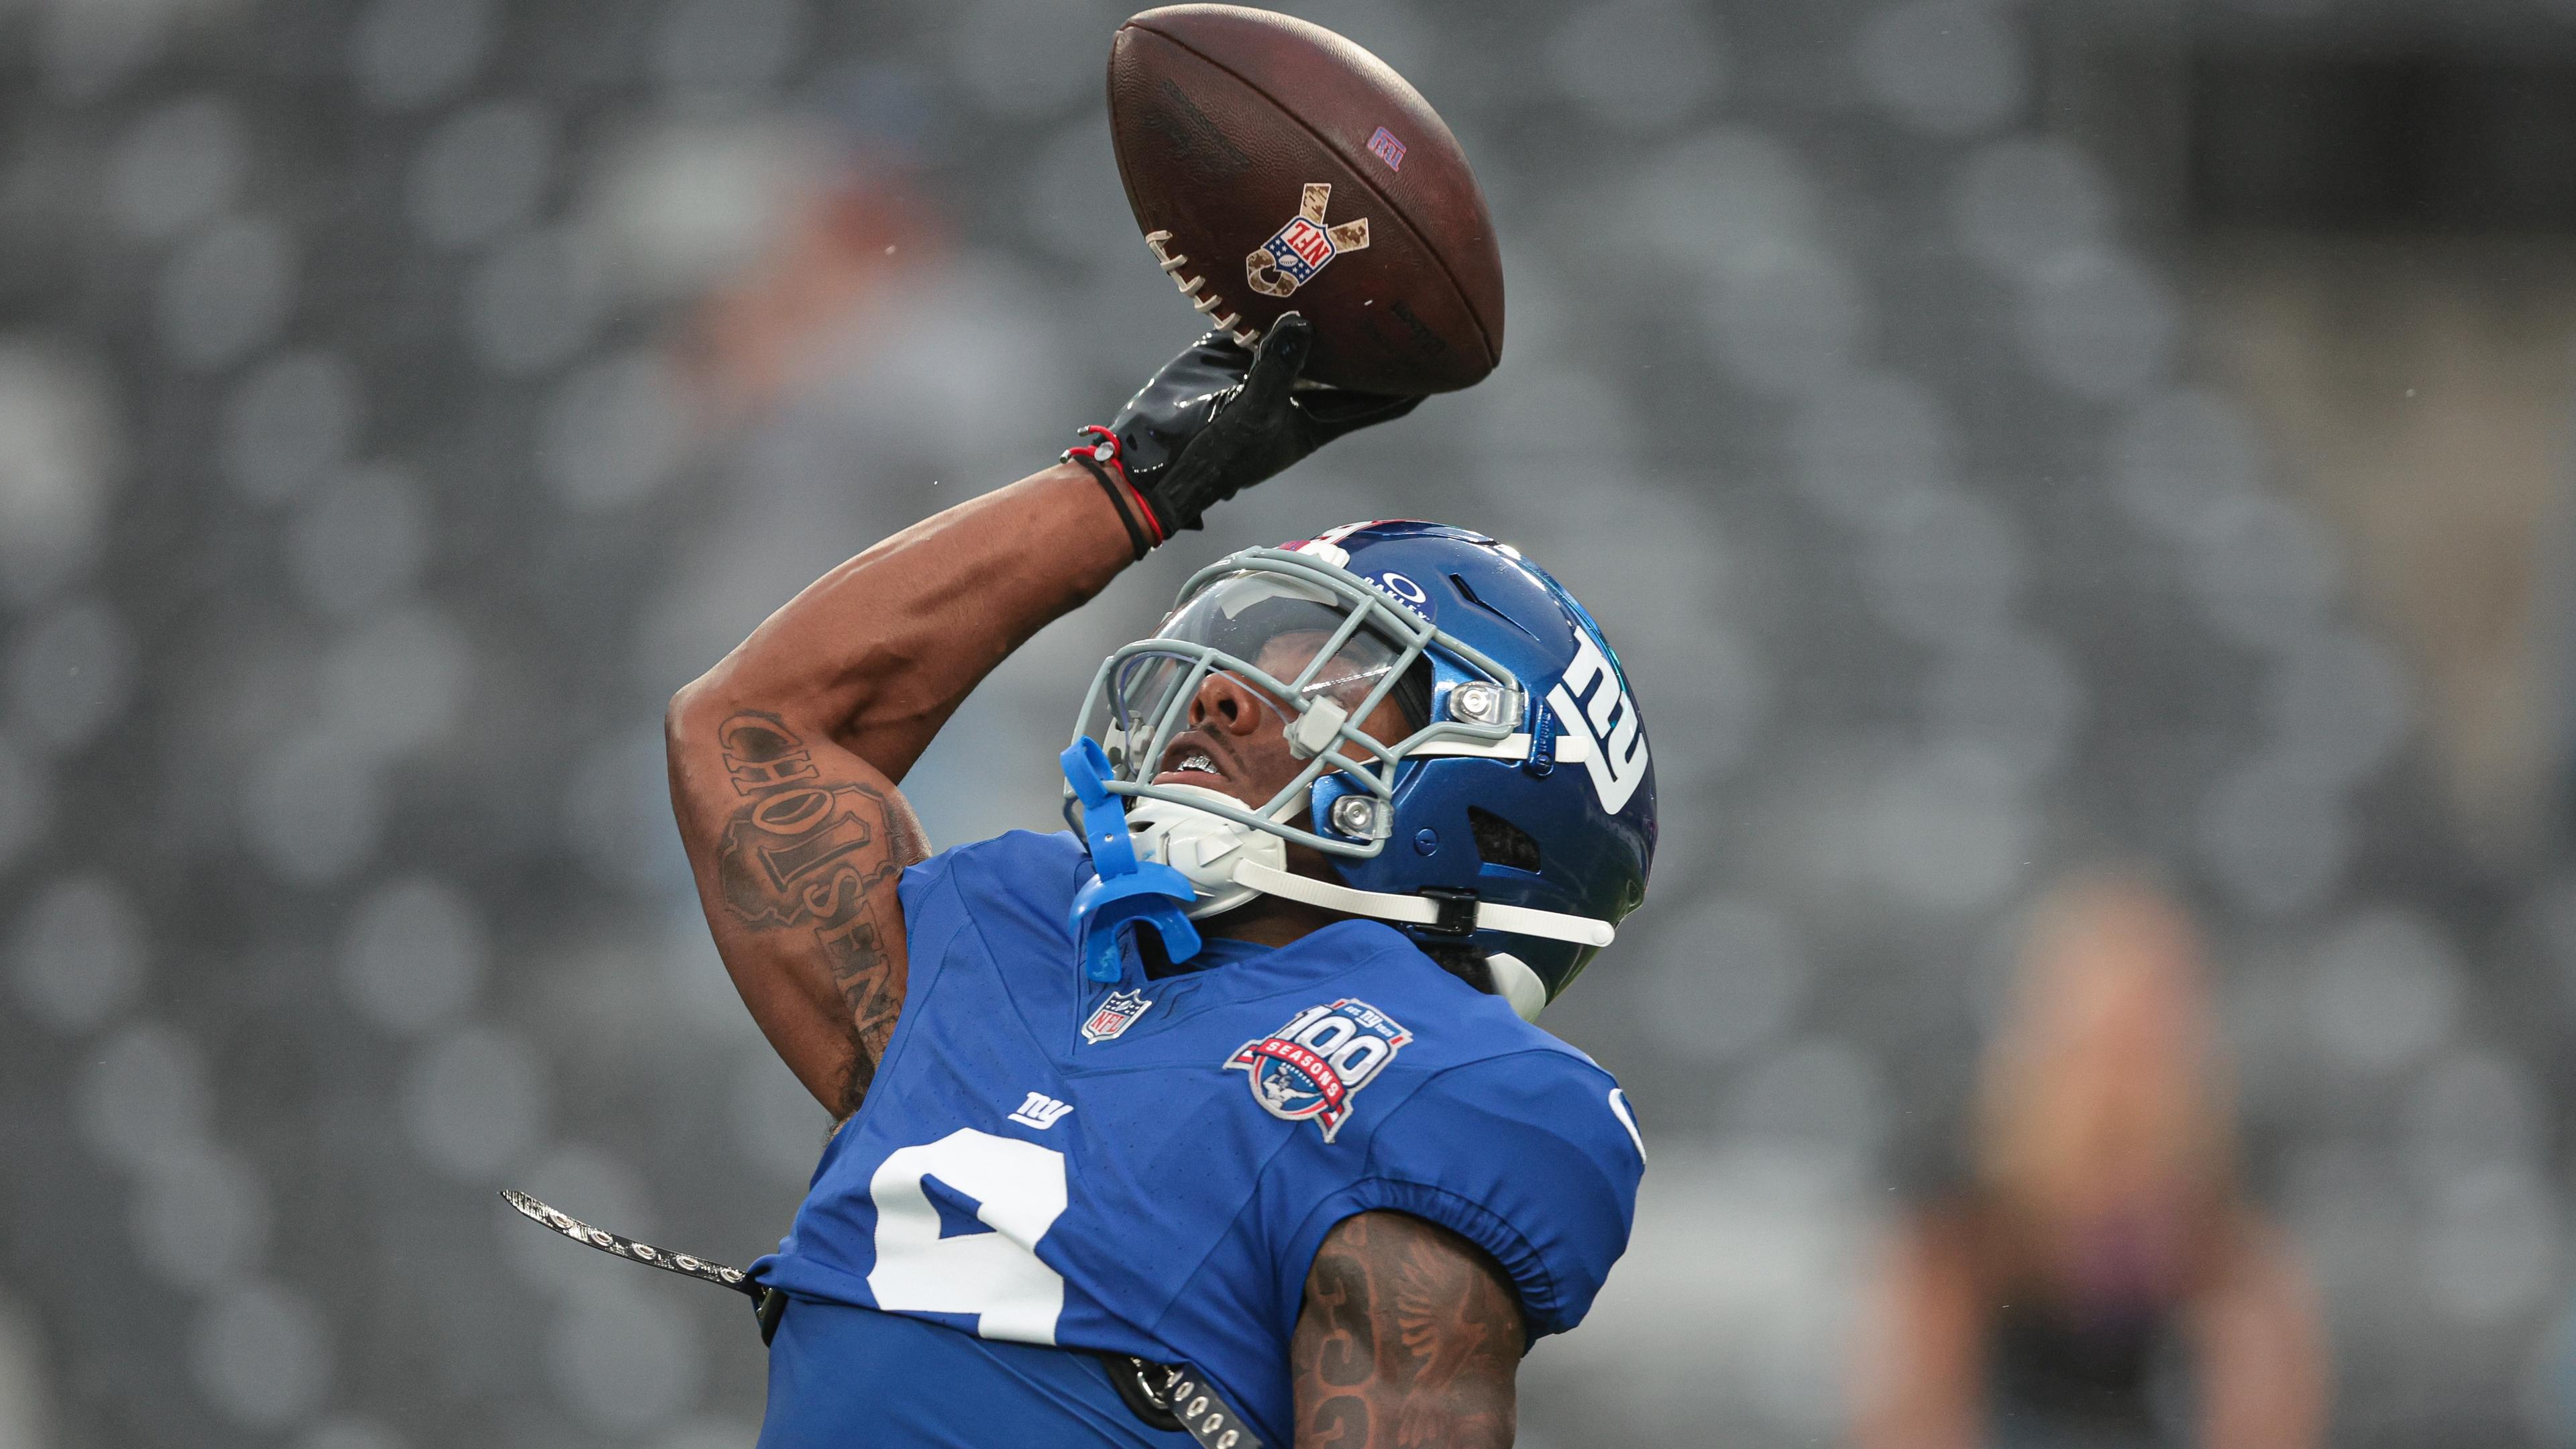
(805, 852)
(1409, 1339)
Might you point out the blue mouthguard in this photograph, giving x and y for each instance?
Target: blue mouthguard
(1126, 891)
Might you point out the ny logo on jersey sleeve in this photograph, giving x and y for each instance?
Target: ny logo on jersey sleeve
(1310, 1069)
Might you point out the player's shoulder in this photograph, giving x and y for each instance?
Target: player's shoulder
(1470, 1056)
(1517, 1141)
(1015, 860)
(1515, 1082)
(1018, 873)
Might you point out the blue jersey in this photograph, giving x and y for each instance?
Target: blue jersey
(1148, 1168)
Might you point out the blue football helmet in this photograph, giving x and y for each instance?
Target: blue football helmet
(1517, 816)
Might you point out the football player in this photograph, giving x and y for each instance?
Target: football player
(1221, 1119)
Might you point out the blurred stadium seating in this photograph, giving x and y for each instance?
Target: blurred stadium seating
(1985, 465)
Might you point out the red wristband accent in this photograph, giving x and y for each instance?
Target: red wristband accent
(1105, 452)
(1156, 524)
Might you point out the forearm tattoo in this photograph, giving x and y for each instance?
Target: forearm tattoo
(1409, 1339)
(808, 853)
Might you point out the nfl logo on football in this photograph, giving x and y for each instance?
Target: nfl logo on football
(1114, 1015)
(1300, 248)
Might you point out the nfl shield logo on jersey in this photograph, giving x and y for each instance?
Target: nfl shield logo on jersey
(1310, 1069)
(1115, 1015)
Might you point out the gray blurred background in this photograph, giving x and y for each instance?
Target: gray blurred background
(2000, 439)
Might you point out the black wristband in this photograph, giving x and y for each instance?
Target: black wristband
(1136, 538)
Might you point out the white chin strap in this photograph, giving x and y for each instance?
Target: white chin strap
(1229, 863)
(1419, 910)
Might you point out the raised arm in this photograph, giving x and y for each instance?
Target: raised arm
(784, 757)
(1409, 1339)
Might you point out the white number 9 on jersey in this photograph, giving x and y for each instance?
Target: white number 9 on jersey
(1019, 1190)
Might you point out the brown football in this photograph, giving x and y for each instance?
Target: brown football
(1277, 167)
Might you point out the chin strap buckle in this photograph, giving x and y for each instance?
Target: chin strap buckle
(1457, 911)
(1127, 891)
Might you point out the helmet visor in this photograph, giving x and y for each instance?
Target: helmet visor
(1293, 642)
(1320, 648)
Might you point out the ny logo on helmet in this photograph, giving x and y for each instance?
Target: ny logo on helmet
(1591, 702)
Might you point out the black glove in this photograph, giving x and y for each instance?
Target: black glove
(1216, 420)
